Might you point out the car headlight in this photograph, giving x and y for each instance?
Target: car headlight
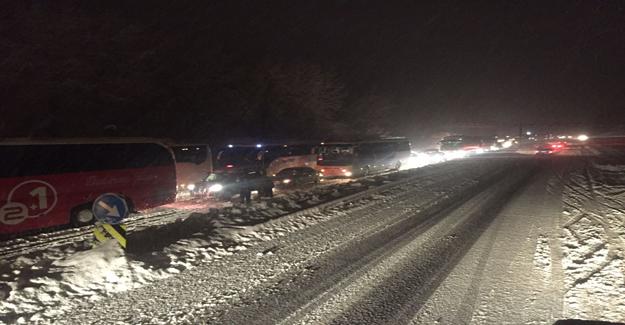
(215, 188)
(191, 187)
(348, 174)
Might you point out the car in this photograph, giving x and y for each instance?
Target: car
(544, 150)
(225, 185)
(294, 177)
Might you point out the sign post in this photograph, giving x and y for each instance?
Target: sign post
(110, 210)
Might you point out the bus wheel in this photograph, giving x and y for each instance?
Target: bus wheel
(81, 216)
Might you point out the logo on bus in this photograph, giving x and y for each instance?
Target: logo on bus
(29, 199)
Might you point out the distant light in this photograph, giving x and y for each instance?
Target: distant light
(229, 166)
(322, 143)
(528, 133)
(286, 181)
(191, 187)
(230, 146)
(582, 137)
(258, 145)
(184, 149)
(348, 174)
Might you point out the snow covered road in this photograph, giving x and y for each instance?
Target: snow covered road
(480, 241)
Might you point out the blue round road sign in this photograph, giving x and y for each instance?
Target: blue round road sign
(110, 208)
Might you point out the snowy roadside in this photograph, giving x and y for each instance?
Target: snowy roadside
(274, 254)
(40, 286)
(593, 240)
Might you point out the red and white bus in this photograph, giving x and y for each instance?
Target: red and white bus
(193, 165)
(51, 183)
(351, 159)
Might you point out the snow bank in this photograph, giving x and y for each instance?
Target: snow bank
(593, 243)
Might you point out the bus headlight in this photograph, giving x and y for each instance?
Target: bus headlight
(215, 188)
(191, 187)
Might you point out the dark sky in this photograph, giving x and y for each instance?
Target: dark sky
(492, 63)
(477, 61)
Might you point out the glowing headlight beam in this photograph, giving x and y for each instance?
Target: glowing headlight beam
(215, 188)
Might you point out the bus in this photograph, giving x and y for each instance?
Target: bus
(46, 184)
(347, 159)
(193, 164)
(269, 159)
(459, 146)
(257, 165)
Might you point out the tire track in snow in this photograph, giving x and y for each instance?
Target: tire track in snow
(399, 297)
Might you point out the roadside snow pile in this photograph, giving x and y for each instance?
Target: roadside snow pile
(84, 275)
(42, 284)
(594, 243)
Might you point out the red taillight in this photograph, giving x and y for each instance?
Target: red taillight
(320, 158)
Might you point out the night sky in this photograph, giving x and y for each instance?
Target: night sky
(199, 69)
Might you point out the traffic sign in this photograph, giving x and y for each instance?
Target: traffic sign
(103, 232)
(110, 209)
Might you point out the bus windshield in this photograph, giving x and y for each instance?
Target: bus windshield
(451, 144)
(336, 155)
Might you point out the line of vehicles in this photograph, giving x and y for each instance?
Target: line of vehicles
(52, 183)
